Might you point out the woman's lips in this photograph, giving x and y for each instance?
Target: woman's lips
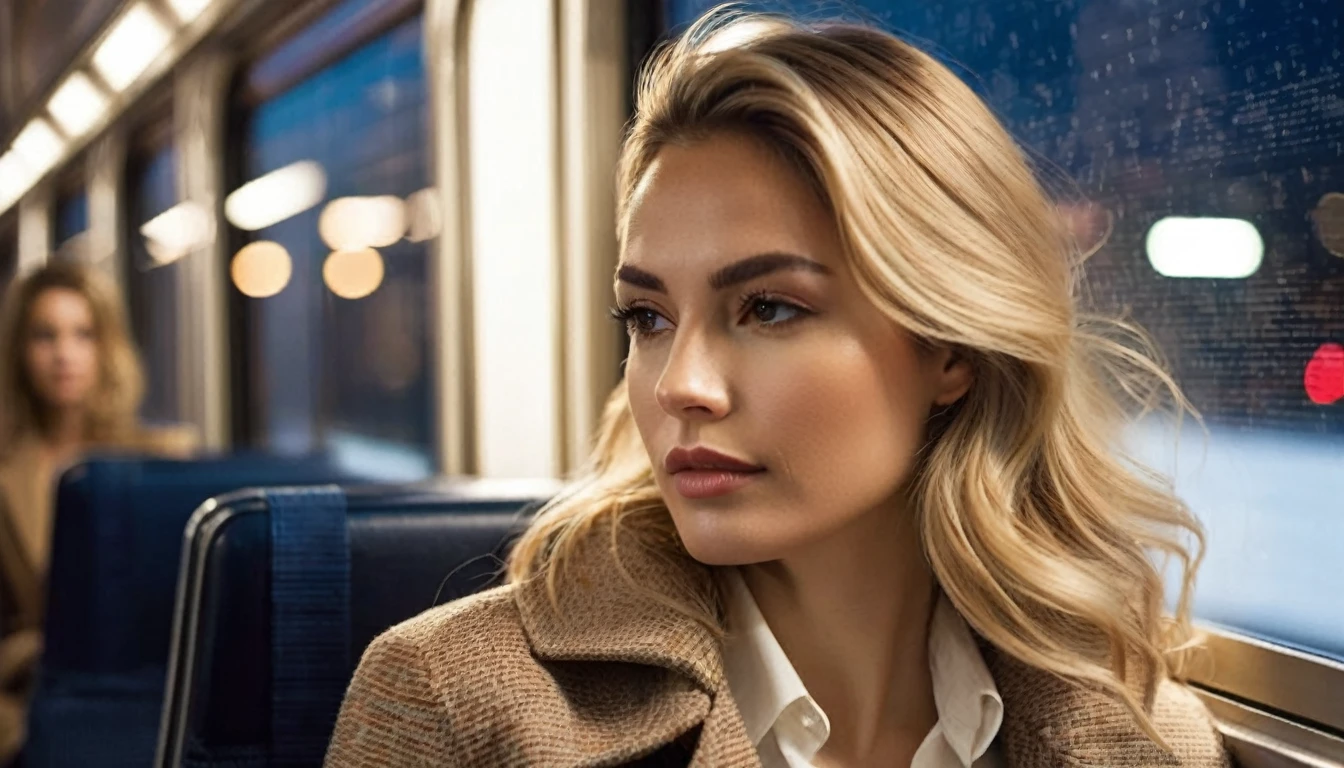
(708, 483)
(700, 472)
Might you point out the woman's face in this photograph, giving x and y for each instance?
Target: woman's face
(61, 349)
(752, 340)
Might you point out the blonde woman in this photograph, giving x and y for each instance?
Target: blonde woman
(857, 501)
(69, 382)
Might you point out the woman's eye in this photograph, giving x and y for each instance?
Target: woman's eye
(644, 321)
(769, 312)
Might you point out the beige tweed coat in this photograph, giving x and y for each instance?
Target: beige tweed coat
(612, 678)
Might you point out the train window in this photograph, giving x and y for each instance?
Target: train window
(1205, 140)
(334, 267)
(71, 224)
(151, 276)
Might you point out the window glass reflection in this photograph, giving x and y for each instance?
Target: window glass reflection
(1205, 112)
(340, 345)
(151, 282)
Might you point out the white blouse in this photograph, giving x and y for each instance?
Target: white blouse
(787, 726)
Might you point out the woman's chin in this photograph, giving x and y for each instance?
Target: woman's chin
(713, 539)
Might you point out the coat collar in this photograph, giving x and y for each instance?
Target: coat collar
(608, 611)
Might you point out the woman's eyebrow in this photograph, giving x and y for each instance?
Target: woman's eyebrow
(640, 279)
(762, 264)
(740, 271)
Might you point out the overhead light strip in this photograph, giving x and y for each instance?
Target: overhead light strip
(39, 146)
(135, 41)
(77, 105)
(138, 38)
(188, 11)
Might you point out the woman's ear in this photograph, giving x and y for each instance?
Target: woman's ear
(953, 376)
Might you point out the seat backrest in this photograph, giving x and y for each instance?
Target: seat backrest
(115, 547)
(116, 542)
(283, 589)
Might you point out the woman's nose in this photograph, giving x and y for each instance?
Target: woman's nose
(693, 385)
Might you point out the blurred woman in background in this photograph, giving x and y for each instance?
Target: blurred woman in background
(70, 382)
(859, 499)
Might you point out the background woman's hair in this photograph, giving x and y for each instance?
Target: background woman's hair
(114, 403)
(1040, 532)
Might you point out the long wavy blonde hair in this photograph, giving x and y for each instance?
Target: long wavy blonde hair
(1038, 529)
(112, 407)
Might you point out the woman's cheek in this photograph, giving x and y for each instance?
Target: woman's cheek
(839, 420)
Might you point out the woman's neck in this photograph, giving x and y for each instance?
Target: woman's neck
(852, 614)
(64, 434)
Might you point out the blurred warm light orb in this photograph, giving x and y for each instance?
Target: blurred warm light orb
(1324, 376)
(177, 232)
(353, 274)
(262, 269)
(353, 223)
(1328, 218)
(278, 195)
(424, 219)
(1204, 247)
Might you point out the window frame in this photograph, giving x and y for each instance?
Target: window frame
(1257, 738)
(1302, 688)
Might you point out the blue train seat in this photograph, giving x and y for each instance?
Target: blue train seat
(281, 591)
(110, 593)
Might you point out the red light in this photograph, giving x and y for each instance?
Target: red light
(1324, 378)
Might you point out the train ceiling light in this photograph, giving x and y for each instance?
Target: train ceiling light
(135, 41)
(77, 105)
(14, 179)
(38, 146)
(188, 10)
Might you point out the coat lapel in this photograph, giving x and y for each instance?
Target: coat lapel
(723, 739)
(609, 612)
